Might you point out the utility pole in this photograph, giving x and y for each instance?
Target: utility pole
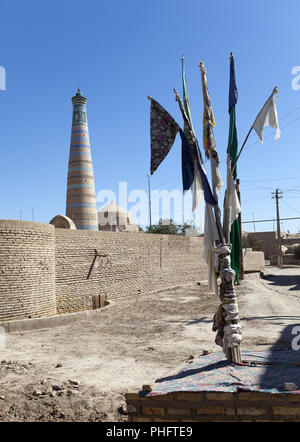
(149, 194)
(253, 221)
(277, 195)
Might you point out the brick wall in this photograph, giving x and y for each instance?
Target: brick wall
(127, 264)
(214, 407)
(44, 270)
(27, 270)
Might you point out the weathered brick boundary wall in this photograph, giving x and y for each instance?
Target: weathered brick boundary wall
(288, 259)
(27, 270)
(214, 407)
(127, 264)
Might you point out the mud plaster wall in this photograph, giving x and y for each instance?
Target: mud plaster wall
(27, 270)
(123, 264)
(44, 271)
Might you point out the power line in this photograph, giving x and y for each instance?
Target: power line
(268, 220)
(274, 179)
(297, 211)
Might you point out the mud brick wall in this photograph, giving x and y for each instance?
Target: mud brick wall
(27, 270)
(125, 264)
(214, 407)
(253, 261)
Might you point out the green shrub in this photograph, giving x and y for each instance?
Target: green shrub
(297, 252)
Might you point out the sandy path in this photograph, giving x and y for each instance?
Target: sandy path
(137, 340)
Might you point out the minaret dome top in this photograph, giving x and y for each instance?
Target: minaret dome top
(79, 98)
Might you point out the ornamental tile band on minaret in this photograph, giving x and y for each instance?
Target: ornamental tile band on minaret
(81, 196)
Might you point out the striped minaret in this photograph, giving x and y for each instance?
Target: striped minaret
(81, 197)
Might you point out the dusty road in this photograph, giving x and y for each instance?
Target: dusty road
(80, 371)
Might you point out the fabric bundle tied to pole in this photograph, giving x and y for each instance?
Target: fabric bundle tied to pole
(226, 319)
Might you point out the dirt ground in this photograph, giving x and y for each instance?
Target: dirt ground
(80, 371)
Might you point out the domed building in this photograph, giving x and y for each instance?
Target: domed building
(113, 218)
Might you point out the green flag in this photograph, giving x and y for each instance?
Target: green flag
(232, 151)
(186, 102)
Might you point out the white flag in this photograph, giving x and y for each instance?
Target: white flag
(197, 188)
(210, 236)
(232, 206)
(267, 117)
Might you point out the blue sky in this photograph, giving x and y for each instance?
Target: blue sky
(121, 51)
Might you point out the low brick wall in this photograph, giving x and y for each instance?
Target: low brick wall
(126, 264)
(214, 407)
(288, 259)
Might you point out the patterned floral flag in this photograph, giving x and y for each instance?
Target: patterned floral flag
(163, 131)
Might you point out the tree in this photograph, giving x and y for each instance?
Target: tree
(164, 227)
(168, 227)
(252, 242)
(297, 252)
(188, 226)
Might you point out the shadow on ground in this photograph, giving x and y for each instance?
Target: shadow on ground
(284, 280)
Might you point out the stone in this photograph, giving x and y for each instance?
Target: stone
(2, 398)
(74, 382)
(61, 392)
(48, 390)
(206, 352)
(290, 386)
(147, 387)
(57, 387)
(59, 365)
(37, 393)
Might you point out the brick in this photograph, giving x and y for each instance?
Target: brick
(132, 396)
(286, 397)
(210, 410)
(153, 410)
(179, 412)
(286, 411)
(162, 397)
(230, 411)
(171, 419)
(190, 396)
(251, 411)
(141, 419)
(253, 396)
(219, 396)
